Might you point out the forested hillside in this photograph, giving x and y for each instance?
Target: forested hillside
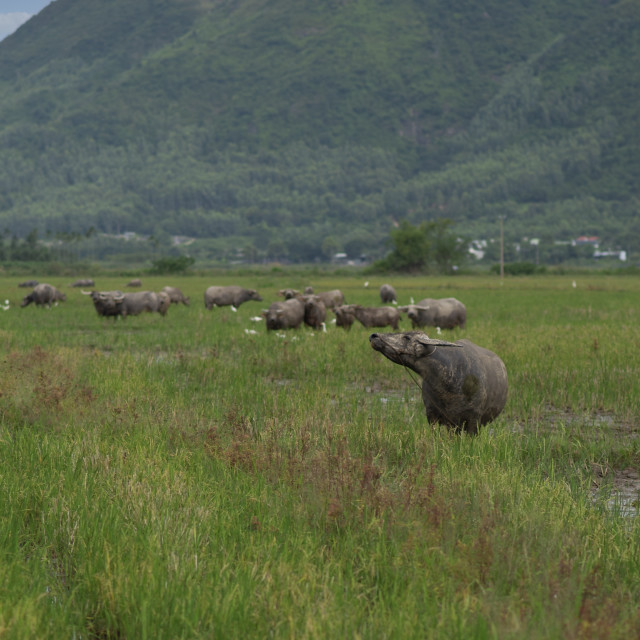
(295, 129)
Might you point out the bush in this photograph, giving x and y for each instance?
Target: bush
(520, 268)
(177, 264)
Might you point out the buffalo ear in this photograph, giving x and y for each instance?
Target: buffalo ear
(434, 342)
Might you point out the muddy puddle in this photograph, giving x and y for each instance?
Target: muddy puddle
(618, 489)
(551, 419)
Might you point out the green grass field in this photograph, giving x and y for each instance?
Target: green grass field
(182, 477)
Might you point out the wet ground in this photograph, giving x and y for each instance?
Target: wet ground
(619, 488)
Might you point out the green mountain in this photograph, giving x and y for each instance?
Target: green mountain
(298, 128)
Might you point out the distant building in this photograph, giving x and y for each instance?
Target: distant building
(477, 248)
(621, 255)
(594, 241)
(339, 258)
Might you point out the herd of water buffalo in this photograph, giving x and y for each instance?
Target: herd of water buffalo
(463, 385)
(296, 309)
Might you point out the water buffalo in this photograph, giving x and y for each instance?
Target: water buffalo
(83, 282)
(344, 317)
(373, 316)
(464, 386)
(446, 313)
(331, 299)
(387, 293)
(136, 282)
(28, 283)
(231, 295)
(107, 303)
(284, 315)
(176, 295)
(116, 303)
(43, 294)
(164, 302)
(315, 311)
(136, 303)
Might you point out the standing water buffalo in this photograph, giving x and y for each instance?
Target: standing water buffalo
(176, 296)
(116, 303)
(344, 317)
(43, 294)
(284, 315)
(164, 302)
(315, 311)
(387, 293)
(463, 385)
(108, 304)
(229, 296)
(446, 313)
(135, 303)
(287, 294)
(83, 282)
(370, 316)
(330, 299)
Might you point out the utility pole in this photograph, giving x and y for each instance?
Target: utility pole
(501, 249)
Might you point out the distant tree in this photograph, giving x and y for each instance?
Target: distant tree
(29, 248)
(277, 250)
(249, 252)
(330, 246)
(430, 245)
(448, 249)
(172, 264)
(411, 249)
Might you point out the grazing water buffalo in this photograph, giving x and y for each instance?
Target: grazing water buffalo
(446, 313)
(463, 385)
(136, 282)
(107, 303)
(83, 282)
(226, 296)
(28, 283)
(387, 293)
(284, 315)
(176, 295)
(43, 294)
(373, 316)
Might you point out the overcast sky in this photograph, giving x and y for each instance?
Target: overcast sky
(14, 12)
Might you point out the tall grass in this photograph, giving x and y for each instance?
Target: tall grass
(179, 477)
